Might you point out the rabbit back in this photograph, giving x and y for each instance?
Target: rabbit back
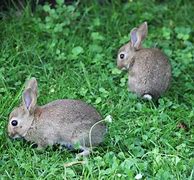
(149, 69)
(66, 121)
(151, 73)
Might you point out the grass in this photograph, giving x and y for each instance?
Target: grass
(72, 53)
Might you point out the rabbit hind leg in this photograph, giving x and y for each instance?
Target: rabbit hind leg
(84, 152)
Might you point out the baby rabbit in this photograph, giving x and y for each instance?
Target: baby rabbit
(65, 122)
(149, 68)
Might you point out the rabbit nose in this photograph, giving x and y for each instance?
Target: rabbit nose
(10, 135)
(123, 68)
(119, 65)
(9, 132)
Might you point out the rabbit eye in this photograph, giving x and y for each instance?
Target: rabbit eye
(122, 56)
(14, 123)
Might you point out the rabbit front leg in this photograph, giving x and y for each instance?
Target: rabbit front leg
(41, 146)
(41, 143)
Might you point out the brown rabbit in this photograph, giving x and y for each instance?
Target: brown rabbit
(66, 122)
(149, 68)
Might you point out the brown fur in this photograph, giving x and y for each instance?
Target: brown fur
(149, 69)
(59, 122)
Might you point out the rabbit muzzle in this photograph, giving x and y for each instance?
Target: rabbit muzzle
(14, 135)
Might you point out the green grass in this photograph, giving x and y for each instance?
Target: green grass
(72, 53)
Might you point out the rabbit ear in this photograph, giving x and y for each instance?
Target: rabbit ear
(138, 35)
(133, 35)
(33, 85)
(29, 100)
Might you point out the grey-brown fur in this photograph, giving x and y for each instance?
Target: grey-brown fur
(149, 68)
(59, 122)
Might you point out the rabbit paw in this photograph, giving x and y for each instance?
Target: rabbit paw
(84, 153)
(40, 146)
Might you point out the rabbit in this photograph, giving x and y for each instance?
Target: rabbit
(149, 68)
(65, 122)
